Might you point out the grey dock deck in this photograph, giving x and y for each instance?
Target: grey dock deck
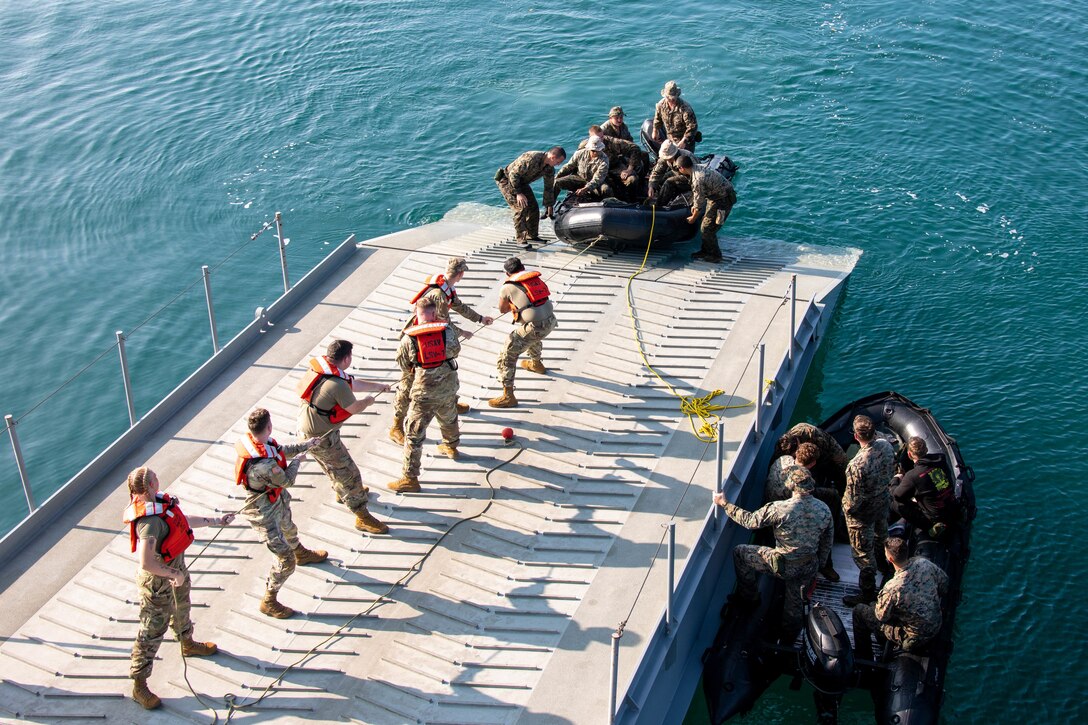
(510, 619)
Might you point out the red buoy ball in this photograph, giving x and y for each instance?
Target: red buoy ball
(508, 434)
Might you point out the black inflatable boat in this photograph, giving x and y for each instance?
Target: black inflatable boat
(620, 222)
(906, 688)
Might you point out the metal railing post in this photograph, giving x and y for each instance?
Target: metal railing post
(283, 252)
(211, 309)
(19, 463)
(793, 318)
(672, 574)
(718, 483)
(125, 377)
(615, 674)
(759, 391)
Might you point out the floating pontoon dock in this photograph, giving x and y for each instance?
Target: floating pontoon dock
(512, 619)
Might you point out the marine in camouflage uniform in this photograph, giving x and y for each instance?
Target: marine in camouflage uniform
(674, 118)
(515, 179)
(831, 467)
(533, 325)
(455, 268)
(866, 504)
(433, 395)
(666, 181)
(713, 197)
(615, 127)
(583, 171)
(802, 534)
(907, 610)
(774, 487)
(624, 160)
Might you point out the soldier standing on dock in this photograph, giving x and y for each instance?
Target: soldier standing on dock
(802, 536)
(440, 289)
(428, 350)
(866, 503)
(263, 470)
(161, 533)
(713, 196)
(514, 180)
(526, 295)
(327, 396)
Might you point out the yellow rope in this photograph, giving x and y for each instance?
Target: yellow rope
(691, 406)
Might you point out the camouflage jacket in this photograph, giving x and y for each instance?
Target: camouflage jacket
(443, 305)
(868, 476)
(616, 131)
(775, 487)
(802, 525)
(707, 184)
(912, 598)
(622, 155)
(677, 123)
(595, 172)
(432, 379)
(529, 167)
(265, 473)
(831, 453)
(664, 169)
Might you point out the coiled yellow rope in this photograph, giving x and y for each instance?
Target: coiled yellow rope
(691, 406)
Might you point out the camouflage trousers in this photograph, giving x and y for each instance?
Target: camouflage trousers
(750, 561)
(278, 532)
(573, 182)
(333, 457)
(866, 624)
(867, 530)
(717, 211)
(527, 220)
(441, 404)
(529, 338)
(674, 186)
(403, 395)
(158, 610)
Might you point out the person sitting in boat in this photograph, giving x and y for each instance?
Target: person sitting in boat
(802, 535)
(713, 197)
(908, 608)
(924, 495)
(806, 457)
(674, 119)
(614, 127)
(666, 181)
(586, 174)
(624, 162)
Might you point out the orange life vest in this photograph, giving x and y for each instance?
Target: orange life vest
(165, 507)
(534, 288)
(430, 344)
(320, 369)
(249, 450)
(436, 281)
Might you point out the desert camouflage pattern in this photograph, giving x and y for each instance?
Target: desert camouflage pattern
(528, 338)
(677, 123)
(515, 179)
(433, 395)
(616, 130)
(333, 457)
(866, 503)
(272, 520)
(583, 170)
(158, 611)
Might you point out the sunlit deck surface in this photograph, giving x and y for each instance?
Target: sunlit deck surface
(510, 619)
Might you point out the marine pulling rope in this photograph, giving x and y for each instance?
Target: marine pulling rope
(690, 405)
(231, 700)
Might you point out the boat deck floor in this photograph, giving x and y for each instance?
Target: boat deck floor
(510, 617)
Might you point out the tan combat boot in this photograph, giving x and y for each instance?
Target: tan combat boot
(304, 556)
(396, 431)
(365, 522)
(271, 607)
(144, 697)
(534, 366)
(506, 400)
(448, 451)
(405, 485)
(192, 648)
(462, 408)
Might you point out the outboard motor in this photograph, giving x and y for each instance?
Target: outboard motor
(827, 659)
(647, 134)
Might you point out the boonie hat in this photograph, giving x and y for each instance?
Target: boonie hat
(595, 144)
(668, 149)
(616, 111)
(671, 90)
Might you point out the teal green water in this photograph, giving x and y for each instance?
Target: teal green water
(143, 139)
